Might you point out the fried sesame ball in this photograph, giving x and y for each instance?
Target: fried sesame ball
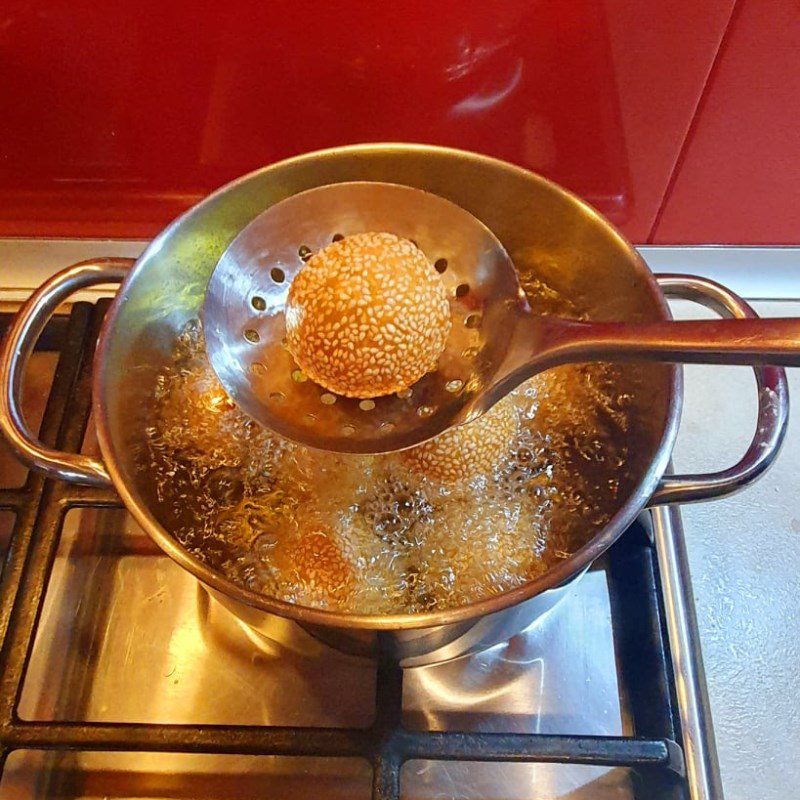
(367, 316)
(473, 554)
(314, 561)
(328, 481)
(198, 422)
(468, 450)
(197, 417)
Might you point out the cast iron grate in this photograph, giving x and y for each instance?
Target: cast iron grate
(41, 505)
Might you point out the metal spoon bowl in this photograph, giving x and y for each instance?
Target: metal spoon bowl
(495, 343)
(243, 316)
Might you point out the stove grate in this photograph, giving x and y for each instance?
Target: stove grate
(41, 505)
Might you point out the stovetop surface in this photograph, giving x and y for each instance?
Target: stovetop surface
(742, 551)
(128, 654)
(127, 636)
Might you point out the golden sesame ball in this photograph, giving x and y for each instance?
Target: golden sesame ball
(315, 562)
(470, 556)
(468, 450)
(197, 421)
(196, 415)
(367, 315)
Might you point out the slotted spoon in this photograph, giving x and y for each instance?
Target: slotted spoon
(495, 342)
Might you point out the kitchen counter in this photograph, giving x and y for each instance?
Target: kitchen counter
(744, 555)
(744, 550)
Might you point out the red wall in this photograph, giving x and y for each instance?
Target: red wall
(739, 175)
(676, 118)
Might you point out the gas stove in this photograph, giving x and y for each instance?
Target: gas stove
(121, 678)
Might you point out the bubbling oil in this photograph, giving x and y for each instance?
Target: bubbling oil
(365, 534)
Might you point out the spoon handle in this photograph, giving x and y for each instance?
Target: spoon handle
(723, 341)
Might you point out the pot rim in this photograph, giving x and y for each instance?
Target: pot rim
(554, 577)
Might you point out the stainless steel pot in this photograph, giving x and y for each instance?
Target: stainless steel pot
(547, 231)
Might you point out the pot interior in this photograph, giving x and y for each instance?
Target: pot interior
(551, 237)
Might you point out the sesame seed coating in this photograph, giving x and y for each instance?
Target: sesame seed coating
(468, 450)
(316, 563)
(367, 315)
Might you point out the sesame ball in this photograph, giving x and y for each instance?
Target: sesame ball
(316, 565)
(463, 452)
(367, 315)
(199, 420)
(470, 556)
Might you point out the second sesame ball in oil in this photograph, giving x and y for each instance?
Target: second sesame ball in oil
(315, 568)
(461, 453)
(368, 315)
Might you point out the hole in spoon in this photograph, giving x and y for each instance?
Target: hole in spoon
(277, 274)
(462, 290)
(252, 336)
(304, 252)
(258, 368)
(366, 405)
(473, 321)
(337, 237)
(348, 430)
(327, 399)
(277, 397)
(298, 376)
(454, 386)
(440, 265)
(258, 303)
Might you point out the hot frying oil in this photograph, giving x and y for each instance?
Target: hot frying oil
(366, 534)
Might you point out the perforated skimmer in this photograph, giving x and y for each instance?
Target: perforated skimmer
(495, 342)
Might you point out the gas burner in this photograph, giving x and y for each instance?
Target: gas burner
(109, 646)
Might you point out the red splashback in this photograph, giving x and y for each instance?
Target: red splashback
(116, 117)
(126, 114)
(739, 178)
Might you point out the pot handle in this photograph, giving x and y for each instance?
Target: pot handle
(15, 350)
(773, 405)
